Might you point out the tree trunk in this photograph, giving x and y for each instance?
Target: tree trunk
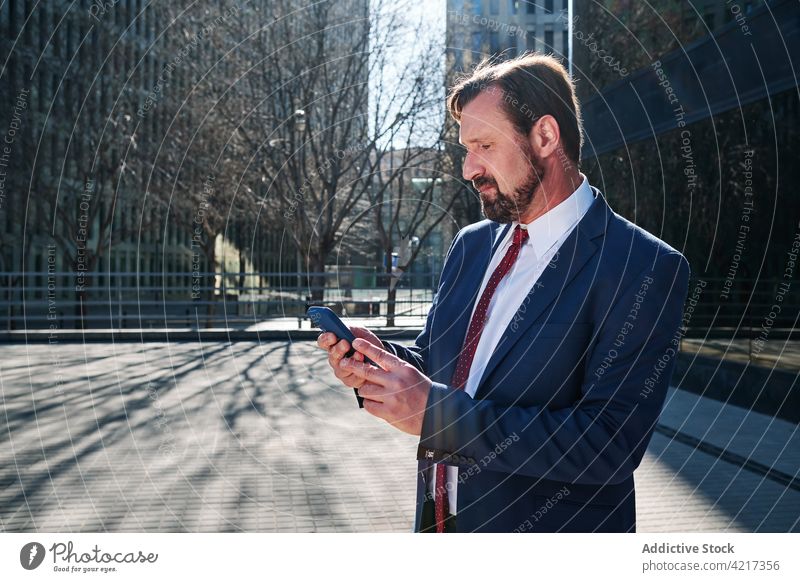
(211, 308)
(242, 267)
(317, 277)
(395, 274)
(83, 283)
(81, 307)
(390, 307)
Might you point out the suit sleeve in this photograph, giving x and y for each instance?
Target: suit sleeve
(417, 354)
(602, 437)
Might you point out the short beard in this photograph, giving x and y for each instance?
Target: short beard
(507, 208)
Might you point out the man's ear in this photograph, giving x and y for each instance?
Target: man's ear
(545, 136)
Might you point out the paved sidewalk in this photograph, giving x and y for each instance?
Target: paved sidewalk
(717, 467)
(192, 437)
(778, 354)
(260, 437)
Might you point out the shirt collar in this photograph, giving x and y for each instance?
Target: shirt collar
(547, 229)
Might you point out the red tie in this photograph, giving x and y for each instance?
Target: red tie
(468, 353)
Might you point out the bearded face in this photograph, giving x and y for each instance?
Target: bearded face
(506, 207)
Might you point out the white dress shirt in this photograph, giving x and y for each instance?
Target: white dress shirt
(546, 234)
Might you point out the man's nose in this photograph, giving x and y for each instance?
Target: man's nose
(473, 167)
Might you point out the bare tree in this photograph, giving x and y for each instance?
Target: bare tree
(281, 115)
(409, 199)
(318, 113)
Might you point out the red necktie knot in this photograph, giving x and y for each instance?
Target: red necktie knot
(520, 235)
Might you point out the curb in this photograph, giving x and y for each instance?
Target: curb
(60, 336)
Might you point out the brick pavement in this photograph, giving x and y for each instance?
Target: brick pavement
(260, 437)
(682, 488)
(780, 354)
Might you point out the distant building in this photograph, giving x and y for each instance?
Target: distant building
(83, 86)
(612, 38)
(691, 112)
(504, 28)
(85, 67)
(716, 13)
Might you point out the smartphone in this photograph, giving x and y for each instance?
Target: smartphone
(327, 320)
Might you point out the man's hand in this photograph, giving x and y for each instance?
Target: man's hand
(394, 391)
(337, 348)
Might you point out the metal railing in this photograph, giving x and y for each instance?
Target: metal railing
(66, 300)
(42, 300)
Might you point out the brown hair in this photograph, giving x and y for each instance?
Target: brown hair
(532, 85)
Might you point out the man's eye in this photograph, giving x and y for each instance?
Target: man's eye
(485, 146)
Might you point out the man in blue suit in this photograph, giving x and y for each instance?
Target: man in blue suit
(545, 359)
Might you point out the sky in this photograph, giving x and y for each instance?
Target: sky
(426, 19)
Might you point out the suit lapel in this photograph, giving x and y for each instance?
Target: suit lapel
(572, 256)
(453, 313)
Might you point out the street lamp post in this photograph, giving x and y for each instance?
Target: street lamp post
(299, 127)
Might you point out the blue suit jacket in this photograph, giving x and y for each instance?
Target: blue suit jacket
(569, 399)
